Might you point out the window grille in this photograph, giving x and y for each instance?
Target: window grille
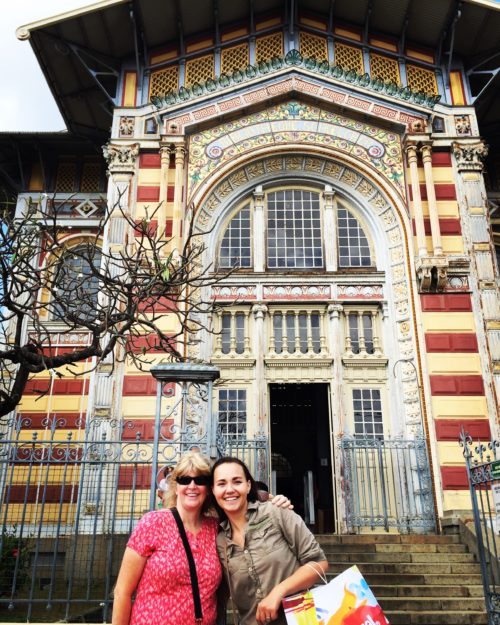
(234, 58)
(91, 178)
(233, 413)
(367, 409)
(65, 178)
(366, 319)
(164, 80)
(296, 332)
(268, 47)
(313, 46)
(294, 230)
(233, 339)
(200, 69)
(421, 79)
(349, 57)
(74, 275)
(354, 250)
(384, 68)
(235, 250)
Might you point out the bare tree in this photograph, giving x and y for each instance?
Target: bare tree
(116, 296)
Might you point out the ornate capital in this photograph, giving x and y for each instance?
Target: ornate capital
(259, 311)
(411, 150)
(426, 150)
(258, 195)
(329, 194)
(120, 158)
(180, 153)
(165, 152)
(470, 156)
(334, 311)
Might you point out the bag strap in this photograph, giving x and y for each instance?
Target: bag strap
(198, 614)
(319, 572)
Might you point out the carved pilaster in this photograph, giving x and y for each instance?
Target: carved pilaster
(411, 150)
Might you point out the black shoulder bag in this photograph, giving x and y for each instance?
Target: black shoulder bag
(198, 615)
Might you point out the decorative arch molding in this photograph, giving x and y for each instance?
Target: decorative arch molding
(295, 123)
(385, 216)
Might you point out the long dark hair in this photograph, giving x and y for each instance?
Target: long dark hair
(252, 493)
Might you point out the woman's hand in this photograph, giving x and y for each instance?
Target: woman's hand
(267, 609)
(281, 501)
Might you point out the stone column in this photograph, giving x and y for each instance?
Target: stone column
(259, 346)
(330, 238)
(180, 153)
(411, 154)
(431, 199)
(259, 243)
(165, 152)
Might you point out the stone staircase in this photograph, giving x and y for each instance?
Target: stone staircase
(418, 580)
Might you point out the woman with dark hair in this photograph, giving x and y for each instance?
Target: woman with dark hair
(155, 564)
(266, 553)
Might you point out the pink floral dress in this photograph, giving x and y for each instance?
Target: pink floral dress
(164, 594)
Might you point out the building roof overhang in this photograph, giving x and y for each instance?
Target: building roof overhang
(81, 51)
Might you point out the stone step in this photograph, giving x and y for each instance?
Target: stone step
(421, 604)
(405, 539)
(394, 548)
(385, 579)
(428, 590)
(410, 568)
(389, 557)
(437, 618)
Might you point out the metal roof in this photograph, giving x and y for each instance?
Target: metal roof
(108, 32)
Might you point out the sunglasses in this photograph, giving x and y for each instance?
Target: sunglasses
(199, 480)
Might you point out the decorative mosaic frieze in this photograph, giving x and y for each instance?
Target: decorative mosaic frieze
(296, 292)
(293, 122)
(360, 291)
(236, 292)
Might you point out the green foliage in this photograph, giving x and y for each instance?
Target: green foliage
(14, 561)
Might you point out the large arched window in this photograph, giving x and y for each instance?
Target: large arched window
(291, 234)
(294, 230)
(354, 249)
(235, 249)
(76, 285)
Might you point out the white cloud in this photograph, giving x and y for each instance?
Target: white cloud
(25, 99)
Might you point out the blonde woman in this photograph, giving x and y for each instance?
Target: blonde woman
(155, 564)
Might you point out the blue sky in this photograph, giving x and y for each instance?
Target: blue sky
(25, 100)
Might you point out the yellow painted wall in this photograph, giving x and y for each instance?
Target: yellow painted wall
(441, 364)
(138, 406)
(149, 177)
(448, 322)
(456, 500)
(459, 407)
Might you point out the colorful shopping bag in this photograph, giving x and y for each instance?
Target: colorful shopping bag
(345, 600)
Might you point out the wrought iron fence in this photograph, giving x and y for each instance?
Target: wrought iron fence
(71, 493)
(483, 474)
(387, 483)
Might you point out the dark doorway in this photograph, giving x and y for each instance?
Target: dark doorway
(300, 450)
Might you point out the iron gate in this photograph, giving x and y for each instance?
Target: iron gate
(480, 461)
(387, 484)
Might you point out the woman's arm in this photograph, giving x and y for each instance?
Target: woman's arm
(128, 578)
(304, 577)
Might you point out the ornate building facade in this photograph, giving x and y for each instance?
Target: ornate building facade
(336, 166)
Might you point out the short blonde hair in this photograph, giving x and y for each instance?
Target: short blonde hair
(190, 462)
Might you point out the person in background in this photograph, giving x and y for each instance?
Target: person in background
(164, 484)
(252, 531)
